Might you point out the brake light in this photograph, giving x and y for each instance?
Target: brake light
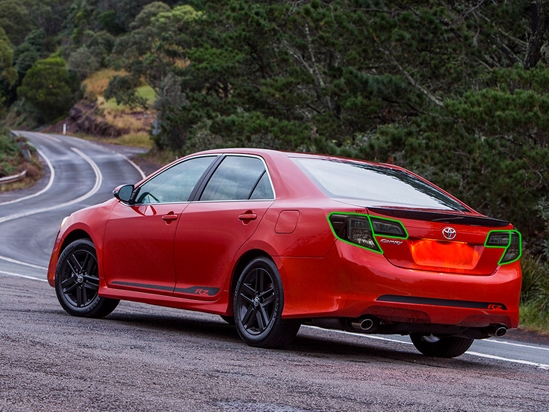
(509, 240)
(361, 229)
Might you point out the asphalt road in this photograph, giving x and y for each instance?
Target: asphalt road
(151, 358)
(78, 173)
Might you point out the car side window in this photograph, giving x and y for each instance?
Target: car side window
(239, 178)
(175, 184)
(263, 189)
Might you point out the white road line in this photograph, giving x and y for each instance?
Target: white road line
(21, 276)
(523, 362)
(478, 354)
(125, 157)
(97, 185)
(359, 335)
(520, 345)
(48, 186)
(98, 176)
(143, 175)
(19, 262)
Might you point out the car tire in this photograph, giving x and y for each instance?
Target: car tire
(441, 347)
(258, 303)
(77, 282)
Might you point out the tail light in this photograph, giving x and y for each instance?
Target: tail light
(361, 229)
(509, 240)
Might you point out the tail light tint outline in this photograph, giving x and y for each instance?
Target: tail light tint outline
(509, 240)
(352, 227)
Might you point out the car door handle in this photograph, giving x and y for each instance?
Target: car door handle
(169, 217)
(247, 216)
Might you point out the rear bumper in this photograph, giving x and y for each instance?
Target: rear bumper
(351, 282)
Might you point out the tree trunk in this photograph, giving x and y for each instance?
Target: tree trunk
(539, 23)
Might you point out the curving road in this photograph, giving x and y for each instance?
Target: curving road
(78, 173)
(150, 358)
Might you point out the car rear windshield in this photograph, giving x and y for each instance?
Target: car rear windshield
(376, 185)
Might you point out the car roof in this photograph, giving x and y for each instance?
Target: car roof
(271, 153)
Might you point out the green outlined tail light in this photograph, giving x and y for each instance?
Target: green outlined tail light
(388, 227)
(498, 239)
(361, 230)
(510, 240)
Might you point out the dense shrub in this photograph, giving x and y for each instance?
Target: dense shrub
(47, 89)
(10, 158)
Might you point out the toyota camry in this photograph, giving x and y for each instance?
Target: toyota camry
(272, 240)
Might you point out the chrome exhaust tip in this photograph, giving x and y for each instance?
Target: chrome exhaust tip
(364, 325)
(498, 331)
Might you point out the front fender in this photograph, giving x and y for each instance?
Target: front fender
(85, 223)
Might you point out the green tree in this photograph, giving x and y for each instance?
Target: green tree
(123, 90)
(28, 52)
(8, 75)
(14, 20)
(6, 59)
(343, 68)
(49, 16)
(47, 89)
(157, 43)
(83, 62)
(36, 39)
(154, 51)
(416, 83)
(25, 56)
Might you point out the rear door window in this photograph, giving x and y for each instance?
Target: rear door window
(239, 178)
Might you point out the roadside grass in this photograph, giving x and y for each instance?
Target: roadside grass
(34, 173)
(160, 157)
(534, 307)
(10, 156)
(532, 319)
(13, 162)
(96, 84)
(147, 92)
(136, 139)
(144, 91)
(134, 124)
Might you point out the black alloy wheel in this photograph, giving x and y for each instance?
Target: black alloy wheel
(258, 304)
(441, 346)
(77, 282)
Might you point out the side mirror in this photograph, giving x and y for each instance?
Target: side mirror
(123, 193)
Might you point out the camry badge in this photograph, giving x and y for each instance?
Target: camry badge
(449, 233)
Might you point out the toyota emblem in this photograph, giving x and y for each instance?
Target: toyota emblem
(449, 233)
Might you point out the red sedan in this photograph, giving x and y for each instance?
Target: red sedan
(272, 240)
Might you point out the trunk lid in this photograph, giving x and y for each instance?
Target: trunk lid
(442, 242)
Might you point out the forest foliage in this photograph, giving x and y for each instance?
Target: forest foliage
(456, 91)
